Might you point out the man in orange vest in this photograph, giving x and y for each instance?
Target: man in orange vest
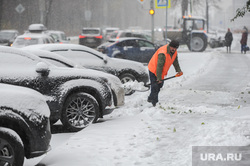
(159, 65)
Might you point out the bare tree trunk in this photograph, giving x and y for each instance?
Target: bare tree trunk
(48, 10)
(1, 13)
(184, 7)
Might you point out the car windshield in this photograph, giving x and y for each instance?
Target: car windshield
(63, 36)
(25, 41)
(57, 36)
(6, 35)
(113, 34)
(90, 31)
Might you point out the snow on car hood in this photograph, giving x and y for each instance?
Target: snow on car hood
(23, 99)
(114, 81)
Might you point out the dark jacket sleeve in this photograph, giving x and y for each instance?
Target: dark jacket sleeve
(176, 65)
(160, 64)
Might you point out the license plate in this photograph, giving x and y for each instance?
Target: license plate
(90, 40)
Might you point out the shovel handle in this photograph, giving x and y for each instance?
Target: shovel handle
(147, 85)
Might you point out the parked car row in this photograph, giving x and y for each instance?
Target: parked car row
(131, 45)
(125, 70)
(43, 83)
(36, 34)
(76, 97)
(64, 90)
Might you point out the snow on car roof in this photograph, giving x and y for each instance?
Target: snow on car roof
(118, 63)
(34, 35)
(5, 49)
(48, 54)
(23, 99)
(37, 27)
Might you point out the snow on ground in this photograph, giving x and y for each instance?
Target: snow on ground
(141, 135)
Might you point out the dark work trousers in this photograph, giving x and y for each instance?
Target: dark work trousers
(155, 88)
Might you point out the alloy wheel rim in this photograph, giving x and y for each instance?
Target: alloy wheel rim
(6, 153)
(125, 80)
(80, 112)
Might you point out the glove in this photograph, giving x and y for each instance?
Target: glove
(179, 74)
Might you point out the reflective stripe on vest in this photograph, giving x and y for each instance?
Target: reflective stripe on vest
(152, 65)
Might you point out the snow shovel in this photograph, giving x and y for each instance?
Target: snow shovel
(148, 85)
(140, 86)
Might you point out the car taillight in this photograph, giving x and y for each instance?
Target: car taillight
(80, 36)
(27, 38)
(99, 37)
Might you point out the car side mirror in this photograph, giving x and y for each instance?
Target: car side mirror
(42, 68)
(105, 59)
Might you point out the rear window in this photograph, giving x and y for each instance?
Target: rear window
(25, 41)
(113, 34)
(91, 31)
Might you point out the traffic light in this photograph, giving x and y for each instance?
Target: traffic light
(151, 11)
(141, 1)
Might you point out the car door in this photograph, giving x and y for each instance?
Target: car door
(131, 50)
(146, 50)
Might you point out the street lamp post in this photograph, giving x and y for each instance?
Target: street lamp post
(151, 12)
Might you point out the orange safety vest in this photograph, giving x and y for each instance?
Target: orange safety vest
(152, 65)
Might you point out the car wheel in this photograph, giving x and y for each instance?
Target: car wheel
(127, 78)
(80, 109)
(11, 148)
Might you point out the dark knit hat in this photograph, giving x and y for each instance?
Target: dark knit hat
(174, 43)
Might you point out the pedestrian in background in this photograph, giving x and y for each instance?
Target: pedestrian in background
(228, 40)
(243, 40)
(159, 65)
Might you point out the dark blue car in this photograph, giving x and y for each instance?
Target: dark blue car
(135, 49)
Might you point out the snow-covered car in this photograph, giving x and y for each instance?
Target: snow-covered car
(58, 36)
(130, 48)
(126, 70)
(32, 38)
(74, 97)
(24, 124)
(60, 61)
(8, 36)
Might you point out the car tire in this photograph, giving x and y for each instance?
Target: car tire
(199, 43)
(126, 78)
(80, 110)
(11, 148)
